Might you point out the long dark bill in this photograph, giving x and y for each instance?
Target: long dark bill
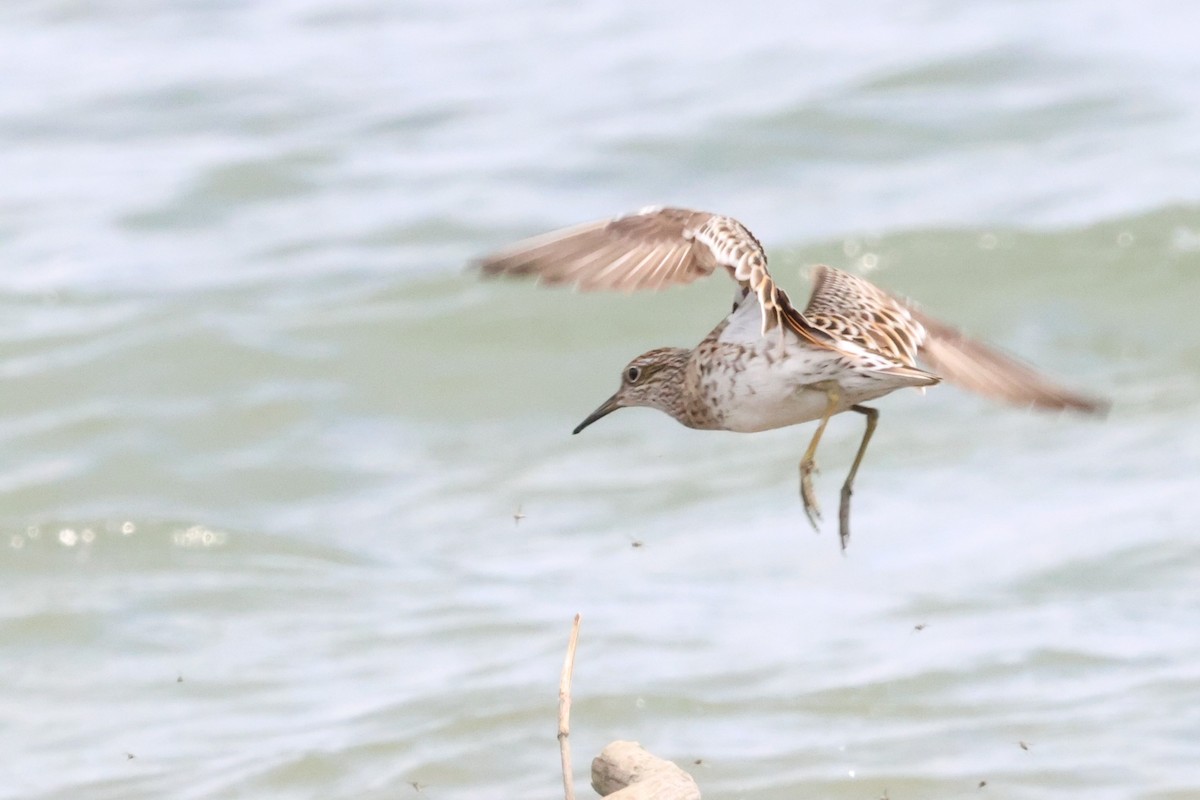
(610, 405)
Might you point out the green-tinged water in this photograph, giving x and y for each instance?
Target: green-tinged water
(263, 438)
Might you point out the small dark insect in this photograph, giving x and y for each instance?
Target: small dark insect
(982, 784)
(636, 543)
(698, 761)
(128, 756)
(920, 626)
(417, 786)
(1024, 745)
(179, 679)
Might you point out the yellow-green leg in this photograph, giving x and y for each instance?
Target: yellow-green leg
(833, 396)
(872, 415)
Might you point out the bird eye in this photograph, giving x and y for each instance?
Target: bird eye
(633, 373)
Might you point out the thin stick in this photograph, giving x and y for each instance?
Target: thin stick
(564, 711)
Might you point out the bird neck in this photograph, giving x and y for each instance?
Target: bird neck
(679, 392)
(669, 391)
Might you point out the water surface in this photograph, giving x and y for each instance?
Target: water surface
(263, 438)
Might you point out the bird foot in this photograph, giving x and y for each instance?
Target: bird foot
(811, 508)
(844, 516)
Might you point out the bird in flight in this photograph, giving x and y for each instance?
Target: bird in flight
(768, 364)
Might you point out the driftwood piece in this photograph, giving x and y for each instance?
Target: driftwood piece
(626, 771)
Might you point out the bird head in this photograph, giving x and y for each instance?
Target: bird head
(654, 379)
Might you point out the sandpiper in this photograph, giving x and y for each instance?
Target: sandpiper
(767, 364)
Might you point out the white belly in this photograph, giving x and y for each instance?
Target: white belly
(792, 390)
(768, 382)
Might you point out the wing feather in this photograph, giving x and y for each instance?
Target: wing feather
(851, 309)
(653, 249)
(985, 370)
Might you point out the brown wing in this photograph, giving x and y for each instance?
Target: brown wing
(850, 308)
(649, 250)
(974, 365)
(652, 249)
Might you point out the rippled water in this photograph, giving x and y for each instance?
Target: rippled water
(263, 440)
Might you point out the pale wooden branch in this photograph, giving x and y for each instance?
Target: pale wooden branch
(564, 711)
(623, 770)
(626, 771)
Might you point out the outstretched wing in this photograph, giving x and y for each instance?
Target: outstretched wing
(849, 308)
(985, 370)
(652, 249)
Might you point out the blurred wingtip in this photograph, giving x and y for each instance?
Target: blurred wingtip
(489, 266)
(989, 372)
(1098, 407)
